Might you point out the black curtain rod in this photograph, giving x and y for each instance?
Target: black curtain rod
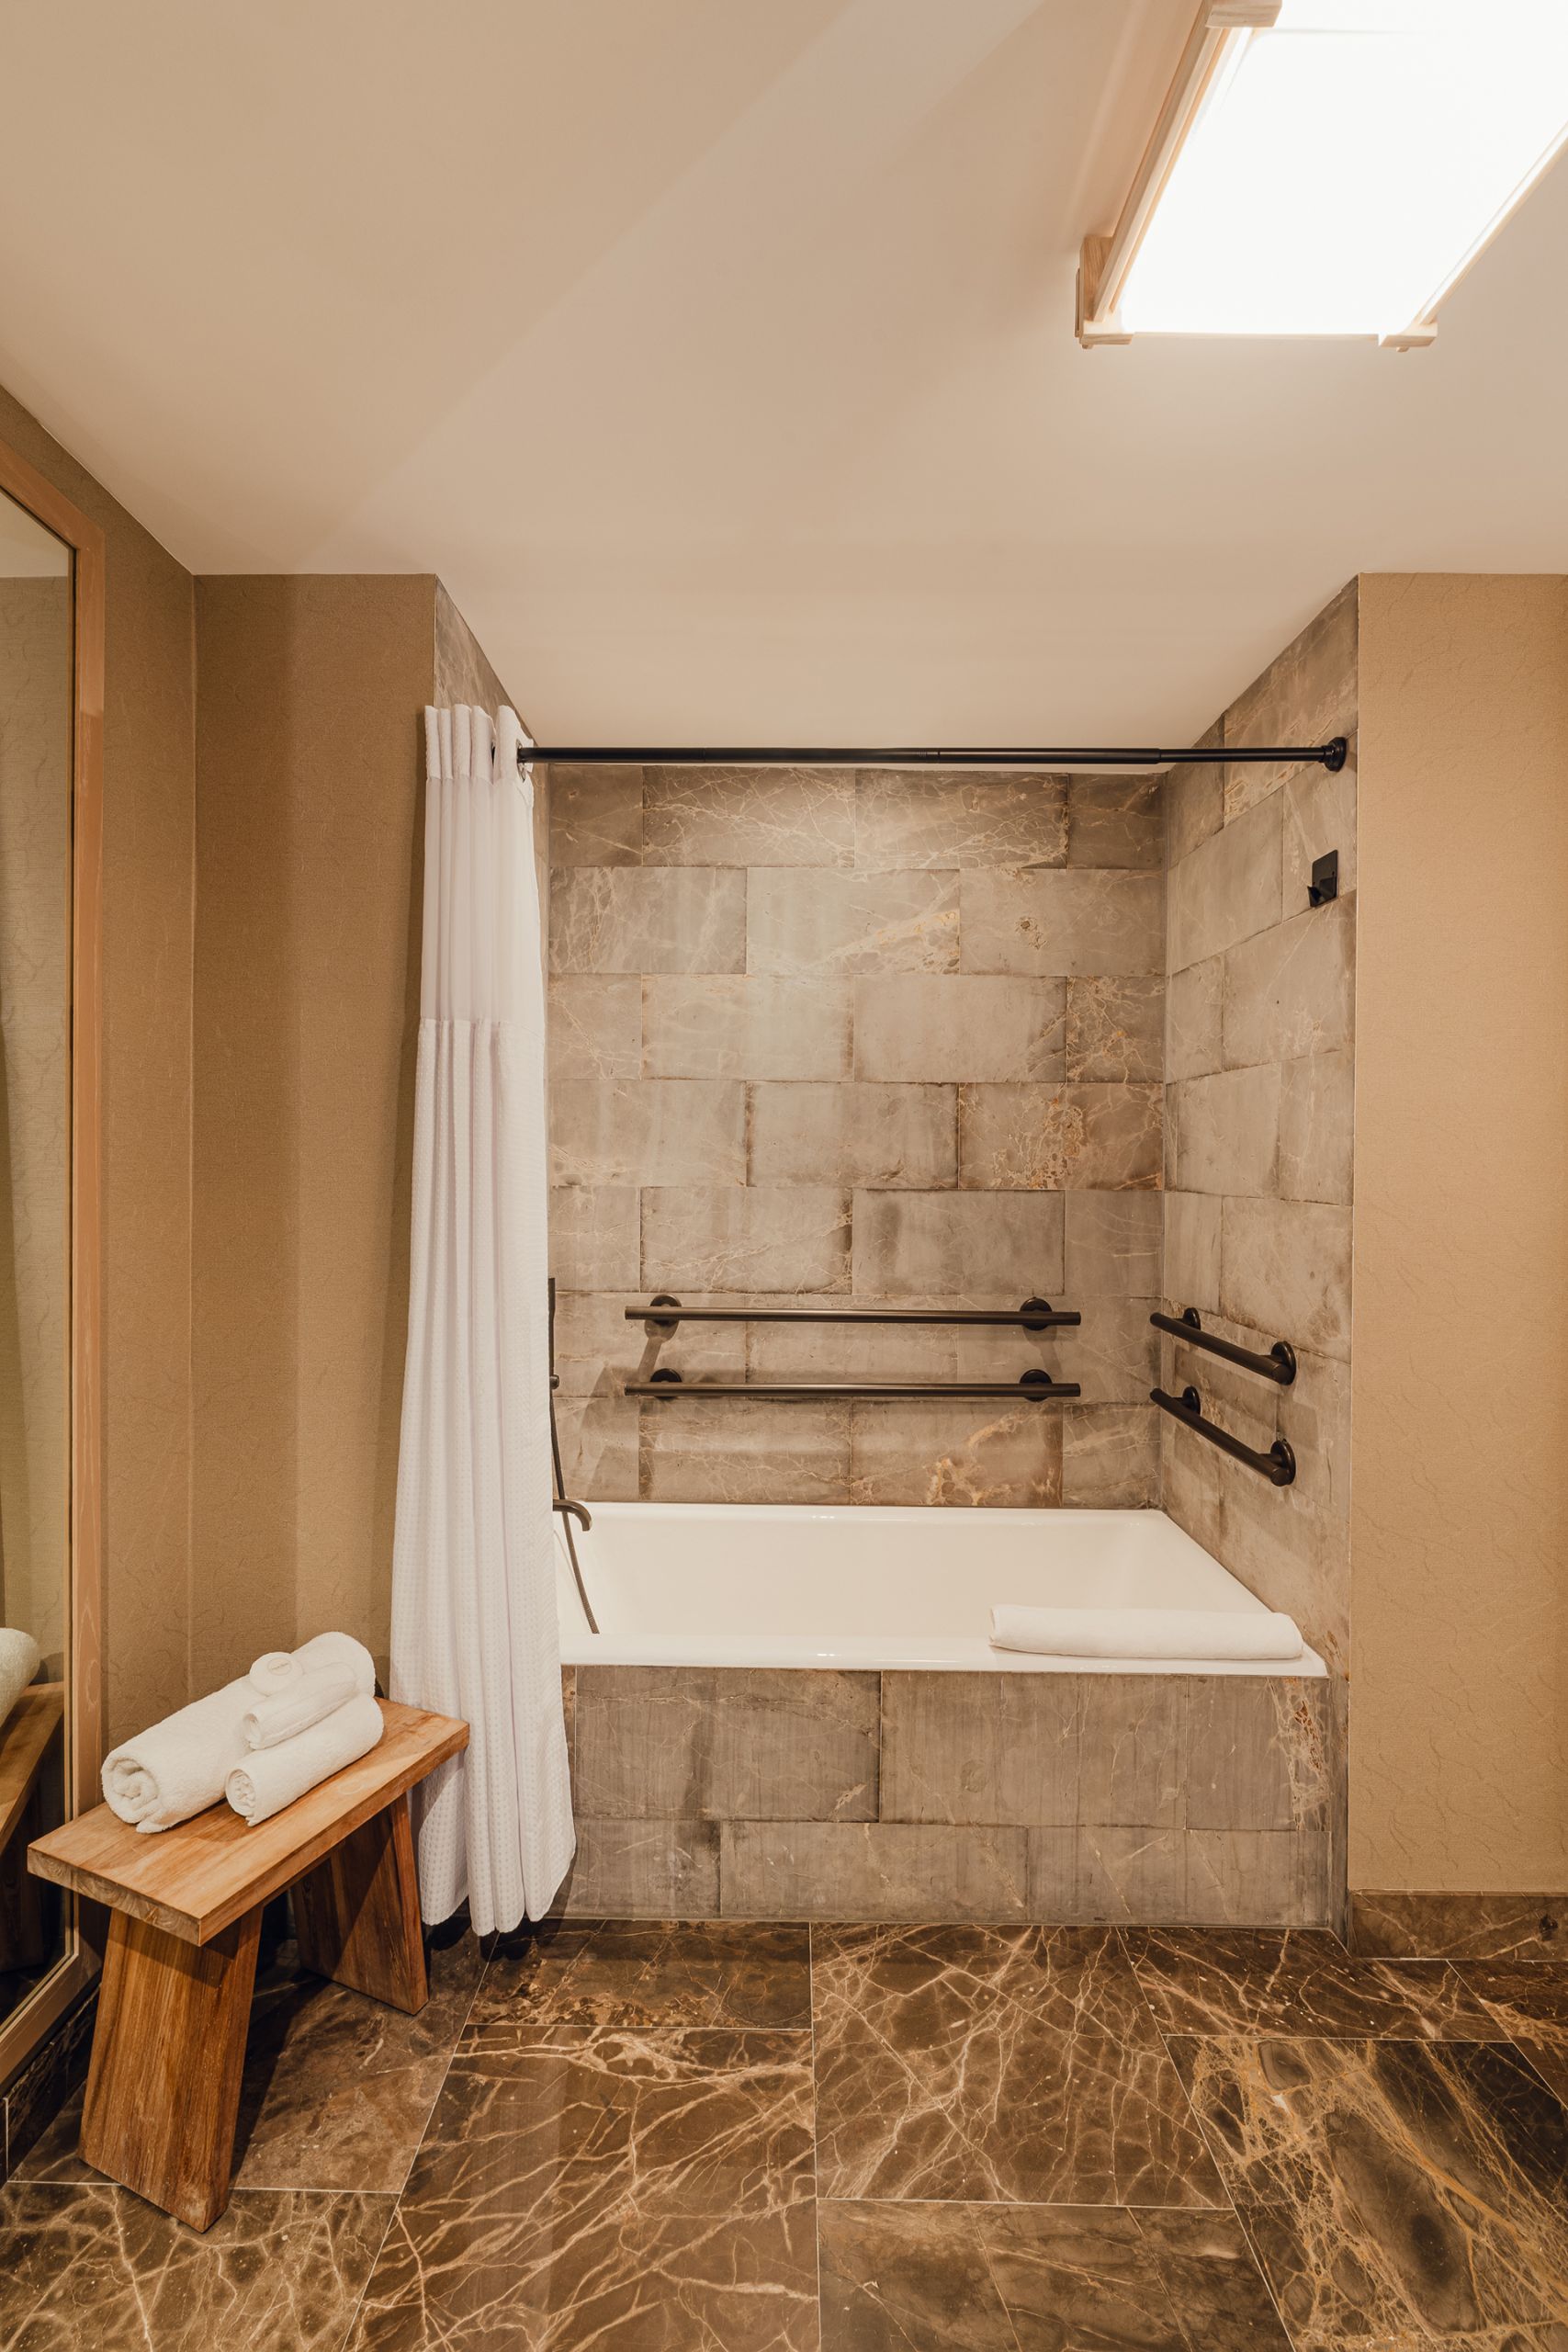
(1330, 755)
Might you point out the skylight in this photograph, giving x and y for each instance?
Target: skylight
(1335, 172)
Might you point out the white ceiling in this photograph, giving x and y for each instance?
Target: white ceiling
(719, 354)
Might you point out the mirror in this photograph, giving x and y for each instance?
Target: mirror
(37, 716)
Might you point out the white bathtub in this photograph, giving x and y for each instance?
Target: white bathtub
(715, 1584)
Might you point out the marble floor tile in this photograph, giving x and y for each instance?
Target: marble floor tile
(646, 1973)
(86, 2264)
(1397, 2191)
(924, 2278)
(1017, 2064)
(1298, 1982)
(1529, 2001)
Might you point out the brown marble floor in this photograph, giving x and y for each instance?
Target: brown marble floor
(724, 2138)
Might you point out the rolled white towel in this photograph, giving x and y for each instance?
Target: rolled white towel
(278, 1670)
(178, 1767)
(20, 1656)
(318, 1693)
(273, 1777)
(1246, 1634)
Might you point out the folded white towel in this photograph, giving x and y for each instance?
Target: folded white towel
(178, 1767)
(278, 1670)
(20, 1656)
(1248, 1633)
(274, 1776)
(318, 1693)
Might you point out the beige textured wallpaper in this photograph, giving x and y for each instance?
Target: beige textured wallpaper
(1459, 1511)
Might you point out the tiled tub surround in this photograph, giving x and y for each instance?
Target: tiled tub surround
(882, 1037)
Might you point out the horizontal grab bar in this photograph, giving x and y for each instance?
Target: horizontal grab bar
(662, 1314)
(1280, 1363)
(1034, 1388)
(1279, 1465)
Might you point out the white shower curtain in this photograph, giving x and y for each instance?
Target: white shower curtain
(474, 1627)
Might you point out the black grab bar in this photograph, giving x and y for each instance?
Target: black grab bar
(663, 1313)
(1031, 1388)
(1280, 1363)
(1278, 1466)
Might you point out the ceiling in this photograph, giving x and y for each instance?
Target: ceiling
(719, 354)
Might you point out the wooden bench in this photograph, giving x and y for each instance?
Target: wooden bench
(173, 2007)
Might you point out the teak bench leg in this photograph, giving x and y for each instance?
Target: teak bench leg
(357, 1914)
(168, 2053)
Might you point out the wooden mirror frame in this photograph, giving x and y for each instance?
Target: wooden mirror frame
(27, 2026)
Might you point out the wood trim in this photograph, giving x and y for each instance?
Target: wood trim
(22, 2032)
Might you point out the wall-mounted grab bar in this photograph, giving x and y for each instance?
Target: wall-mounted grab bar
(1034, 1388)
(1280, 1363)
(663, 1314)
(1278, 1466)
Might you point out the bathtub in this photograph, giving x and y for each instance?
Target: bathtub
(790, 1585)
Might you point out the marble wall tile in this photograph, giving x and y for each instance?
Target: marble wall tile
(1317, 1117)
(1134, 1733)
(912, 818)
(598, 1447)
(597, 1347)
(710, 1743)
(1291, 992)
(649, 1131)
(820, 923)
(872, 1870)
(594, 1029)
(1515, 1927)
(1192, 1000)
(1084, 921)
(911, 1244)
(1022, 1138)
(798, 817)
(1258, 1752)
(1111, 1245)
(1319, 815)
(1307, 694)
(1192, 1251)
(1227, 889)
(716, 1237)
(918, 1028)
(1114, 1353)
(594, 1237)
(744, 1450)
(1115, 1027)
(1110, 1457)
(1226, 1131)
(855, 1351)
(1115, 821)
(957, 1451)
(1256, 1878)
(1285, 1267)
(1127, 1874)
(653, 918)
(1194, 801)
(982, 1747)
(595, 815)
(855, 1134)
(740, 1025)
(642, 1870)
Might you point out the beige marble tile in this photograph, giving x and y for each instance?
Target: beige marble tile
(1129, 1873)
(1227, 889)
(642, 1870)
(857, 1352)
(1291, 992)
(1059, 1138)
(855, 1134)
(598, 1447)
(923, 1245)
(1116, 820)
(716, 1237)
(921, 1027)
(1192, 1251)
(980, 1450)
(1317, 1107)
(1110, 1457)
(745, 1450)
(597, 1347)
(649, 1131)
(982, 1747)
(738, 1024)
(1192, 1000)
(1113, 1353)
(872, 1870)
(594, 1237)
(1080, 922)
(1132, 1743)
(1256, 1754)
(910, 818)
(1115, 1027)
(1194, 801)
(1256, 1878)
(1285, 1267)
(1112, 1245)
(817, 922)
(799, 817)
(1226, 1131)
(594, 1029)
(1319, 815)
(716, 1743)
(654, 919)
(1307, 694)
(595, 815)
